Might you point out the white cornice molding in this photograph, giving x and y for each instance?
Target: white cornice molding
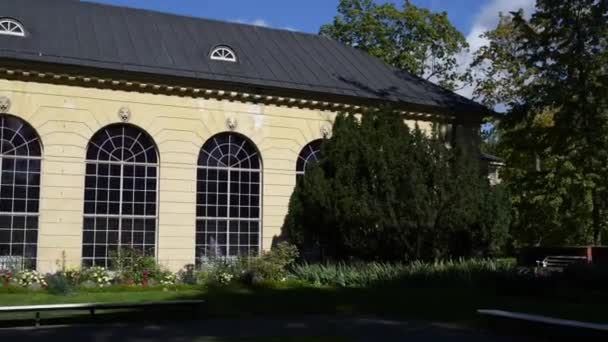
(196, 92)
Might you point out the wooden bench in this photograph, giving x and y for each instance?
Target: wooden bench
(554, 326)
(93, 307)
(560, 262)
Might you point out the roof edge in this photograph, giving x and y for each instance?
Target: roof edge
(185, 86)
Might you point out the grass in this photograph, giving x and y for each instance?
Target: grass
(469, 272)
(40, 298)
(440, 291)
(447, 304)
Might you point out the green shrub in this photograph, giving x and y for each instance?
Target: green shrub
(134, 267)
(29, 279)
(58, 284)
(459, 273)
(219, 270)
(270, 266)
(187, 275)
(5, 277)
(164, 278)
(202, 277)
(383, 191)
(96, 277)
(74, 276)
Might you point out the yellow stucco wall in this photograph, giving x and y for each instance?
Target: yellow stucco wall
(66, 117)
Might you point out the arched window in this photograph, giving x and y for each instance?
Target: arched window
(223, 53)
(228, 202)
(120, 194)
(11, 27)
(311, 153)
(20, 158)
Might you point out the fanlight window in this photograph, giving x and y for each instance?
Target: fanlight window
(228, 206)
(223, 53)
(121, 185)
(11, 27)
(311, 153)
(20, 158)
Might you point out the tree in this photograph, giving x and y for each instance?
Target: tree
(413, 39)
(550, 72)
(499, 72)
(567, 42)
(384, 191)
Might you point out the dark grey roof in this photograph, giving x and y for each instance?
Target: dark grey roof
(68, 32)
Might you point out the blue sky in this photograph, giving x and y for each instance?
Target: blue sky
(305, 16)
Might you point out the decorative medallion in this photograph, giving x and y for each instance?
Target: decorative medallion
(231, 123)
(124, 113)
(5, 104)
(325, 131)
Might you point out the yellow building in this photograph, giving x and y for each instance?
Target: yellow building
(124, 127)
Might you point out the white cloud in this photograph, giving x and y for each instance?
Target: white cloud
(486, 20)
(256, 22)
(260, 22)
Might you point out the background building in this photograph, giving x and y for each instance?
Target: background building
(172, 134)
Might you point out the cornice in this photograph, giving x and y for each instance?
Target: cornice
(176, 89)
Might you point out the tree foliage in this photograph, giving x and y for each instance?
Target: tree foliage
(413, 39)
(384, 191)
(499, 71)
(551, 73)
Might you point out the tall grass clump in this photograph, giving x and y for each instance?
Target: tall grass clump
(439, 273)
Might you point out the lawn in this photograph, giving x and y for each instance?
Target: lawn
(40, 298)
(448, 304)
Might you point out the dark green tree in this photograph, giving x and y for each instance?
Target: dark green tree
(384, 191)
(550, 72)
(567, 42)
(412, 38)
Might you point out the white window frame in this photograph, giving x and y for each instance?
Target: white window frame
(22, 260)
(11, 27)
(204, 250)
(120, 216)
(223, 53)
(311, 153)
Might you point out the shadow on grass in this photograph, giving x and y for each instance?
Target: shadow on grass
(437, 301)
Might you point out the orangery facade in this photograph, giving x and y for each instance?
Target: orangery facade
(177, 136)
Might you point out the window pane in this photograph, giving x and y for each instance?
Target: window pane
(228, 188)
(121, 166)
(20, 154)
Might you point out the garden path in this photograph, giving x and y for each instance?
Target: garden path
(255, 329)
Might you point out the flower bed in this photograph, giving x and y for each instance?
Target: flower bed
(277, 268)
(133, 269)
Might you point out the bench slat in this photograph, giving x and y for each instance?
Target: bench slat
(543, 319)
(96, 306)
(102, 306)
(561, 261)
(25, 308)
